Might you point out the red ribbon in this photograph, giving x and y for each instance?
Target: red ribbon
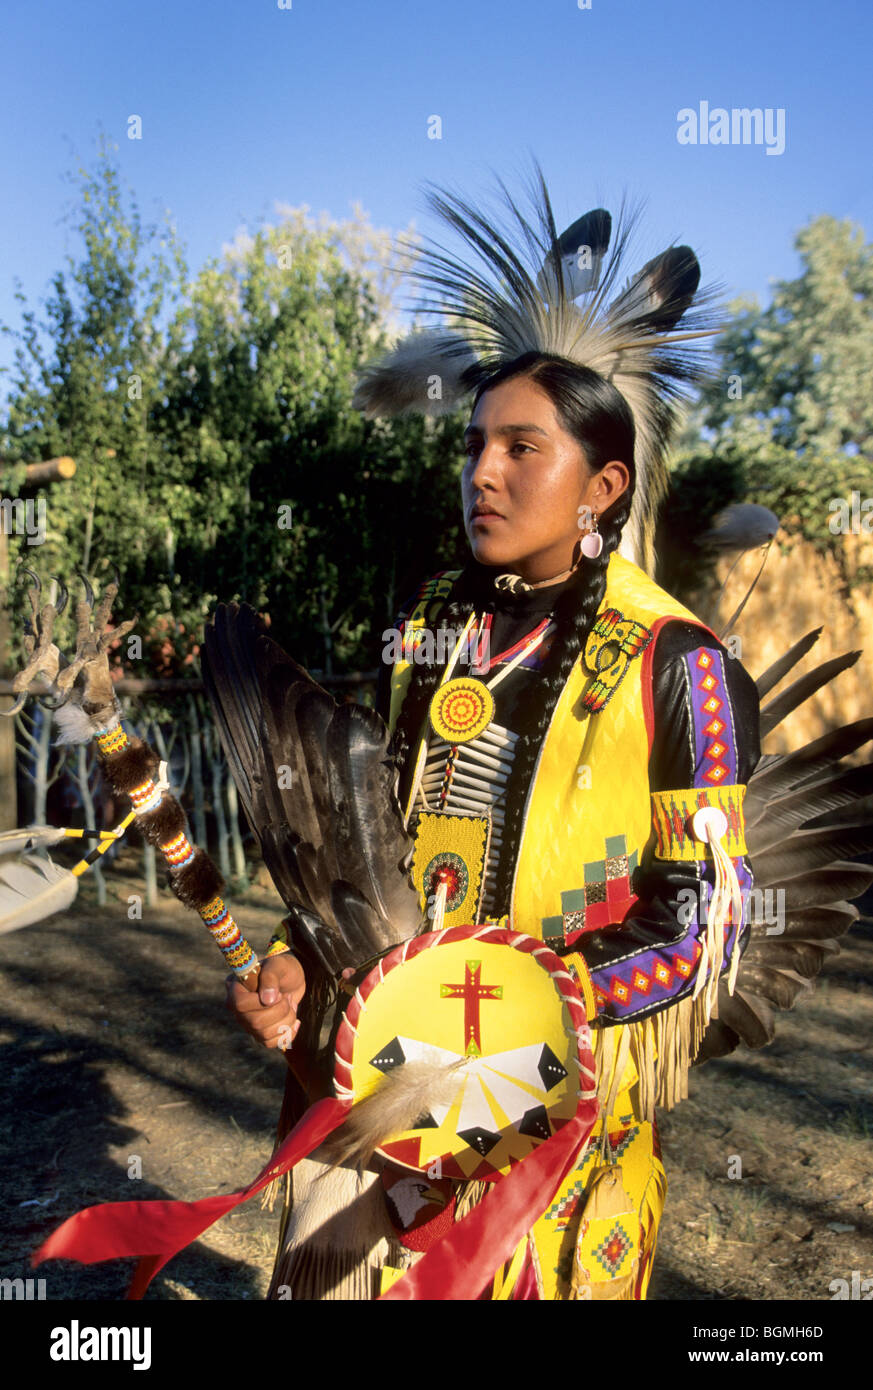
(458, 1266)
(156, 1231)
(455, 1267)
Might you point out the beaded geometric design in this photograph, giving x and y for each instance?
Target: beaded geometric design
(457, 847)
(714, 745)
(612, 1251)
(671, 820)
(214, 910)
(146, 797)
(564, 1210)
(461, 710)
(448, 868)
(603, 899)
(179, 851)
(227, 936)
(613, 642)
(113, 741)
(647, 984)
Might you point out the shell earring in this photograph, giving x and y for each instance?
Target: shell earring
(592, 542)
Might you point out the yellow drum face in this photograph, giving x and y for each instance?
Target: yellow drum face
(461, 710)
(496, 1024)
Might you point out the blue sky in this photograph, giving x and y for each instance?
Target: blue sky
(245, 104)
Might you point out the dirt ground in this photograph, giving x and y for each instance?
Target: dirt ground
(117, 1046)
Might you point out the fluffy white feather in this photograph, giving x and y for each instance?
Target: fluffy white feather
(422, 375)
(72, 725)
(405, 1093)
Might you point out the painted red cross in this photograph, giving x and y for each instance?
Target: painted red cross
(471, 991)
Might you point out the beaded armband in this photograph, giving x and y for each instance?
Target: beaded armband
(673, 813)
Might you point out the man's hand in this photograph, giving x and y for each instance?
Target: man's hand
(270, 1015)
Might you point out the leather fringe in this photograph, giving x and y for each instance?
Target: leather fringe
(662, 1048)
(316, 1273)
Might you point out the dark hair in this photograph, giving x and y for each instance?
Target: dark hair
(595, 413)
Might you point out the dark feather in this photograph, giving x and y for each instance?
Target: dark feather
(750, 1016)
(783, 814)
(777, 772)
(801, 689)
(318, 789)
(778, 986)
(811, 849)
(818, 924)
(805, 817)
(719, 1040)
(834, 883)
(802, 957)
(780, 668)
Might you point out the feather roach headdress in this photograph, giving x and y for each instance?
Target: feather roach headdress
(530, 289)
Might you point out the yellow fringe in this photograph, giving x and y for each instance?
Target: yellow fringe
(663, 1046)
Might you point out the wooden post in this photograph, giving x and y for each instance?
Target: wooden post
(8, 788)
(51, 471)
(37, 474)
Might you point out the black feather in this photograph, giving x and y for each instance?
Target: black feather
(780, 668)
(801, 689)
(318, 789)
(783, 814)
(811, 849)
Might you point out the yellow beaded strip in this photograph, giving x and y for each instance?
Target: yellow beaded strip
(671, 816)
(227, 936)
(179, 852)
(113, 740)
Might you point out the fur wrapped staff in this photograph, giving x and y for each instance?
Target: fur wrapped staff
(87, 707)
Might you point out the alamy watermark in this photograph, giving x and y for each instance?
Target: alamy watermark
(765, 906)
(20, 517)
(741, 125)
(77, 1343)
(860, 1289)
(850, 516)
(424, 646)
(26, 1289)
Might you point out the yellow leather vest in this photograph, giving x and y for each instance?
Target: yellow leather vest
(588, 813)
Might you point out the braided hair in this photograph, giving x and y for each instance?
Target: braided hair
(595, 413)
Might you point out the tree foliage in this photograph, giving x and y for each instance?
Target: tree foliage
(787, 420)
(218, 452)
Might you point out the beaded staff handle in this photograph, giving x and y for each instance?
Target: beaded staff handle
(129, 763)
(194, 877)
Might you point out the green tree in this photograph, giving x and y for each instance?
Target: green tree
(303, 508)
(88, 382)
(787, 420)
(219, 455)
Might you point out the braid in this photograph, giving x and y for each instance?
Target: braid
(574, 615)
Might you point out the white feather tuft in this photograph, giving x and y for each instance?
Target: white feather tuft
(72, 725)
(31, 888)
(523, 291)
(422, 374)
(406, 1092)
